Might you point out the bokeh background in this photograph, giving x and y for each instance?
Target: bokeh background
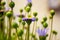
(42, 7)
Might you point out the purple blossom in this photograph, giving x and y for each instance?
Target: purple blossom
(29, 1)
(42, 32)
(30, 19)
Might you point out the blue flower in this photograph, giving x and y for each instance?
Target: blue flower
(29, 1)
(29, 19)
(42, 32)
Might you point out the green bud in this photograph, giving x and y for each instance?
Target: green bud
(29, 4)
(3, 3)
(33, 35)
(45, 18)
(21, 10)
(46, 35)
(27, 9)
(45, 25)
(54, 32)
(35, 14)
(36, 19)
(13, 33)
(23, 22)
(9, 14)
(50, 17)
(42, 21)
(12, 4)
(29, 15)
(20, 19)
(15, 25)
(52, 12)
(20, 32)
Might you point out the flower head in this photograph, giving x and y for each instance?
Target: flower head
(28, 20)
(29, 1)
(42, 32)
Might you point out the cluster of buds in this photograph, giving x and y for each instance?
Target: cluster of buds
(43, 22)
(52, 13)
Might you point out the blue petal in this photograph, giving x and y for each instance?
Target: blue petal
(29, 0)
(42, 32)
(24, 19)
(33, 19)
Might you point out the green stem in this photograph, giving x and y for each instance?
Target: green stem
(27, 33)
(23, 27)
(26, 36)
(9, 37)
(36, 27)
(51, 29)
(16, 34)
(18, 38)
(2, 26)
(21, 38)
(33, 29)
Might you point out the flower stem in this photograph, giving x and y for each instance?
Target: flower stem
(27, 33)
(21, 38)
(16, 34)
(2, 26)
(9, 36)
(33, 29)
(36, 27)
(51, 29)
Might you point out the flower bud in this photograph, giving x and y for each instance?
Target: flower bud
(20, 19)
(45, 25)
(3, 3)
(36, 19)
(23, 22)
(45, 18)
(21, 10)
(27, 9)
(50, 17)
(54, 32)
(9, 14)
(29, 16)
(29, 4)
(20, 32)
(15, 25)
(35, 14)
(11, 4)
(42, 21)
(52, 12)
(33, 35)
